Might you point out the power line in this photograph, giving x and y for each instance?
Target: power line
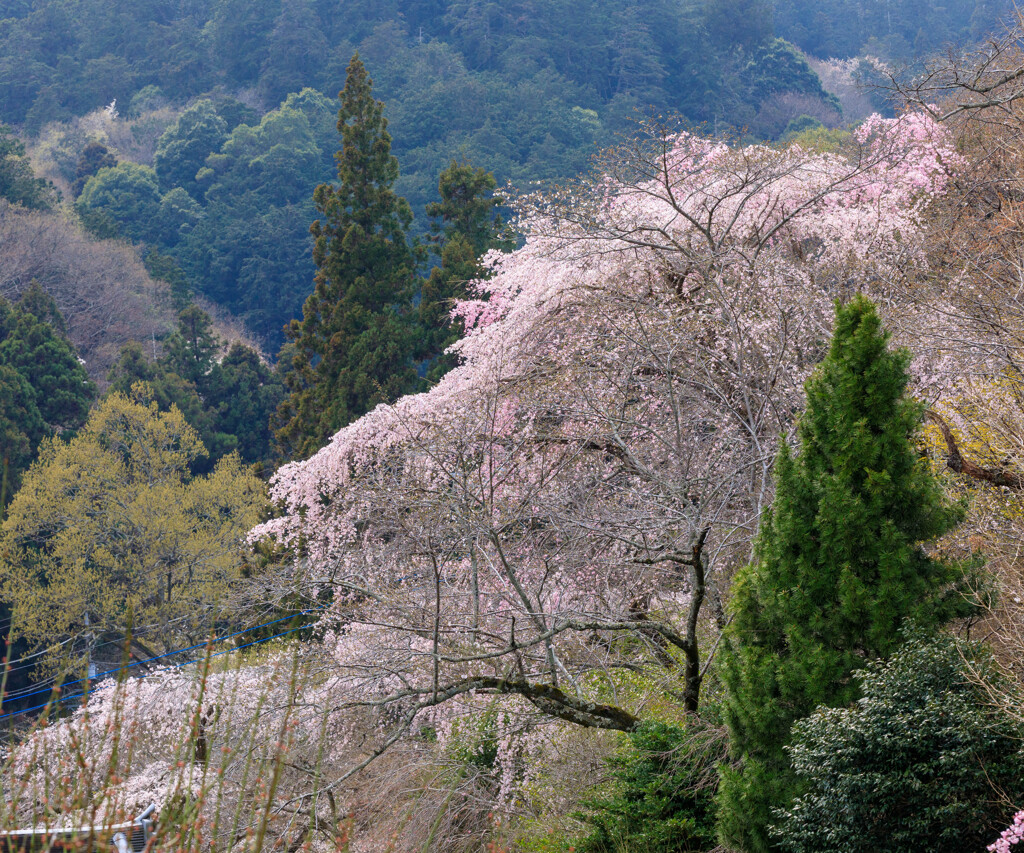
(135, 633)
(62, 699)
(160, 657)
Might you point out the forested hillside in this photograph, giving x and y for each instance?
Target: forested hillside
(466, 61)
(666, 498)
(528, 90)
(895, 30)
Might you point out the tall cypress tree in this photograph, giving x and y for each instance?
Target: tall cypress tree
(465, 226)
(838, 568)
(353, 348)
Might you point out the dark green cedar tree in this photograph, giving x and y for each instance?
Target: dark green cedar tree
(662, 796)
(465, 226)
(838, 569)
(354, 345)
(21, 429)
(18, 183)
(94, 156)
(192, 348)
(228, 401)
(44, 389)
(166, 268)
(167, 388)
(242, 393)
(33, 342)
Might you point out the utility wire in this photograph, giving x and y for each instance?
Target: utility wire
(160, 657)
(62, 699)
(135, 633)
(138, 632)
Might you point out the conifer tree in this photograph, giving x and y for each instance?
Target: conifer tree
(838, 569)
(18, 183)
(192, 349)
(465, 227)
(353, 348)
(33, 342)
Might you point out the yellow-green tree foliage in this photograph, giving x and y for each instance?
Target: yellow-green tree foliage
(112, 525)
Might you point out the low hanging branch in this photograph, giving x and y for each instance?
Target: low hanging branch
(956, 462)
(556, 703)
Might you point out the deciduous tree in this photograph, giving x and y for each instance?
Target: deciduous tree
(183, 148)
(594, 468)
(111, 532)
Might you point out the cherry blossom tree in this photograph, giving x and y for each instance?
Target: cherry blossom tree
(549, 532)
(563, 504)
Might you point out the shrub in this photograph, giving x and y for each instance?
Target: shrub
(921, 762)
(663, 800)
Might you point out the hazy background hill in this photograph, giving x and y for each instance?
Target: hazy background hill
(207, 92)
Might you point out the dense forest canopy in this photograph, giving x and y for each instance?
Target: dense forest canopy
(216, 150)
(900, 30)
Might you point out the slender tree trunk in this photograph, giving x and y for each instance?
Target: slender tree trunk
(474, 576)
(3, 486)
(692, 675)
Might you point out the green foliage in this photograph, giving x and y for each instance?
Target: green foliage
(111, 530)
(238, 31)
(838, 568)
(228, 402)
(242, 393)
(183, 148)
(814, 137)
(353, 346)
(44, 390)
(457, 62)
(21, 429)
(18, 183)
(776, 67)
(34, 345)
(923, 761)
(468, 208)
(129, 195)
(165, 268)
(530, 90)
(900, 31)
(249, 248)
(465, 226)
(94, 156)
(296, 52)
(191, 349)
(743, 23)
(663, 794)
(166, 389)
(147, 99)
(474, 739)
(178, 215)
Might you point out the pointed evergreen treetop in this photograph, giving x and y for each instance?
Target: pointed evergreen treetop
(367, 170)
(353, 347)
(838, 569)
(465, 226)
